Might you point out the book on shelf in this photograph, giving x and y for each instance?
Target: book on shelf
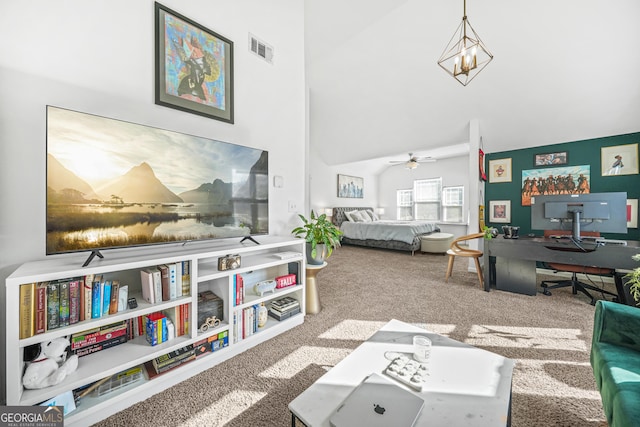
(186, 278)
(174, 356)
(123, 297)
(53, 305)
(86, 296)
(64, 303)
(147, 285)
(178, 267)
(156, 328)
(221, 340)
(103, 345)
(97, 335)
(106, 297)
(115, 294)
(74, 301)
(41, 308)
(287, 254)
(173, 281)
(27, 310)
(96, 297)
(278, 315)
(164, 276)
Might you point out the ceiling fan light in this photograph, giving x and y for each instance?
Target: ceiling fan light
(412, 164)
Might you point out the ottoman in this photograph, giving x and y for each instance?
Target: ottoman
(436, 243)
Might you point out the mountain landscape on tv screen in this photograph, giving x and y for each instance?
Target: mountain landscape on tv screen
(114, 197)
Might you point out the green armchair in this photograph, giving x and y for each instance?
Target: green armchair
(615, 359)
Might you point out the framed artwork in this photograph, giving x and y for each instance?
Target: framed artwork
(619, 160)
(551, 159)
(350, 186)
(500, 170)
(564, 180)
(632, 213)
(500, 211)
(193, 65)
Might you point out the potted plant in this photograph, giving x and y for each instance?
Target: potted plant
(321, 235)
(634, 281)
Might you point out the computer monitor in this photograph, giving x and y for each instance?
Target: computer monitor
(602, 212)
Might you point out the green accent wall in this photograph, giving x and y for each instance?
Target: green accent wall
(585, 152)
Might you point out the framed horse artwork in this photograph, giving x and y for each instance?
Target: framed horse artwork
(564, 180)
(194, 67)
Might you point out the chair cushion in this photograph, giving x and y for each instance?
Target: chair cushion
(580, 269)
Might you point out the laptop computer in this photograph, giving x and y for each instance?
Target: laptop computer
(378, 402)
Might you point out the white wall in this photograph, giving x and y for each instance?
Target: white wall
(98, 57)
(323, 183)
(454, 171)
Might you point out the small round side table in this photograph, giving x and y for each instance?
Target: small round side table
(313, 298)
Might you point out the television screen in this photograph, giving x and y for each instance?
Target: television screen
(112, 183)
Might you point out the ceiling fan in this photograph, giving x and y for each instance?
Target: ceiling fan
(413, 161)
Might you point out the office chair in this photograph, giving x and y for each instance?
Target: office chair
(576, 285)
(455, 250)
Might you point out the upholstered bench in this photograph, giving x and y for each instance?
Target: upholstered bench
(436, 243)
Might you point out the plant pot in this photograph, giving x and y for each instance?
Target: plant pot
(321, 251)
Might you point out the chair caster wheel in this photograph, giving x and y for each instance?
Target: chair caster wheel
(546, 292)
(593, 302)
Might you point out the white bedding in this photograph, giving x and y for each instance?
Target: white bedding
(403, 231)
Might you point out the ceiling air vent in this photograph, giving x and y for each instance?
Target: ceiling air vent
(260, 48)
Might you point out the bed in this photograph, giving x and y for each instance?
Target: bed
(386, 234)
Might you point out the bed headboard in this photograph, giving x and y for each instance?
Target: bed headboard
(339, 217)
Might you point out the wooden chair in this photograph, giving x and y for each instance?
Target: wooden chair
(455, 250)
(576, 285)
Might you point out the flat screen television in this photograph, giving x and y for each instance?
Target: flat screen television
(602, 212)
(112, 184)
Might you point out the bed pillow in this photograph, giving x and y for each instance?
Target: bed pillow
(348, 215)
(366, 216)
(374, 216)
(357, 216)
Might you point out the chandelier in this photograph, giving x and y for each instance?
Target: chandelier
(465, 55)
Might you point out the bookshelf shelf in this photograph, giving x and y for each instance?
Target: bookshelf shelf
(258, 262)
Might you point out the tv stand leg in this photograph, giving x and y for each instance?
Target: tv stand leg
(249, 238)
(94, 253)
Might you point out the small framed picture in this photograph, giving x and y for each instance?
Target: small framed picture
(500, 211)
(551, 159)
(350, 186)
(632, 213)
(619, 160)
(500, 170)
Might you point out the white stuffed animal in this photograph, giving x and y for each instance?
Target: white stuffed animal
(51, 366)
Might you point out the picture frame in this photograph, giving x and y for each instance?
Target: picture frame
(500, 170)
(619, 160)
(551, 159)
(193, 67)
(500, 211)
(632, 213)
(350, 186)
(561, 180)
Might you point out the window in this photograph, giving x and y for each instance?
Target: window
(404, 201)
(452, 204)
(427, 198)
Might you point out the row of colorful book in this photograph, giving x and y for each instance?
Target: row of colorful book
(50, 305)
(245, 322)
(165, 282)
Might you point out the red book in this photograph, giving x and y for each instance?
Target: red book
(41, 307)
(98, 338)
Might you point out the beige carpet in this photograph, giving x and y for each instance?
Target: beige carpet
(361, 289)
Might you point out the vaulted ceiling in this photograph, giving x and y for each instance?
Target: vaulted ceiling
(562, 71)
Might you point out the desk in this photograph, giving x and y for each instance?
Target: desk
(468, 386)
(515, 260)
(312, 300)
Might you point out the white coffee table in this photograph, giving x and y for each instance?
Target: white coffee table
(467, 386)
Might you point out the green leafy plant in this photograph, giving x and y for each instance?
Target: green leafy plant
(634, 281)
(489, 232)
(318, 230)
